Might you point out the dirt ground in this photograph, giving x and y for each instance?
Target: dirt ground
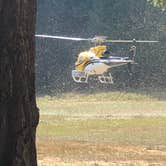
(58, 162)
(75, 153)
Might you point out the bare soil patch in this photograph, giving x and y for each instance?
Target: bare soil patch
(76, 153)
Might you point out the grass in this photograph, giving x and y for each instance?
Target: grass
(119, 126)
(135, 139)
(102, 105)
(134, 131)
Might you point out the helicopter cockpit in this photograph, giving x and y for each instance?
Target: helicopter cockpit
(93, 53)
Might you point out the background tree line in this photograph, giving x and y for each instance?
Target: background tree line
(116, 19)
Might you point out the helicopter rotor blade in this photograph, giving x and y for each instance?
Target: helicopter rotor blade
(131, 41)
(97, 39)
(146, 41)
(62, 37)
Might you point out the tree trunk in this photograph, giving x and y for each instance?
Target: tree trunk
(18, 111)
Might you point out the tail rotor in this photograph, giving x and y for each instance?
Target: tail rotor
(132, 53)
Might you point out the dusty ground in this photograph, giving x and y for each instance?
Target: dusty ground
(75, 153)
(58, 162)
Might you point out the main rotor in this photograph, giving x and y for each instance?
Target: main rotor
(96, 39)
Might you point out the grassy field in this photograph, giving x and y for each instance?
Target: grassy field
(102, 105)
(102, 128)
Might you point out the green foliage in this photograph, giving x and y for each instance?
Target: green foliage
(158, 3)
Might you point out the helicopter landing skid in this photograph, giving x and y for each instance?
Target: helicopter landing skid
(106, 79)
(79, 76)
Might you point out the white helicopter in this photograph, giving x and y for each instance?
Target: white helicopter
(97, 60)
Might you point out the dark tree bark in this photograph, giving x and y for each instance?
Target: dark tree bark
(18, 111)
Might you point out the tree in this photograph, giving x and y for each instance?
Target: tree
(18, 110)
(158, 3)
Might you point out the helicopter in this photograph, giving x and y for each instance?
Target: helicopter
(98, 60)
